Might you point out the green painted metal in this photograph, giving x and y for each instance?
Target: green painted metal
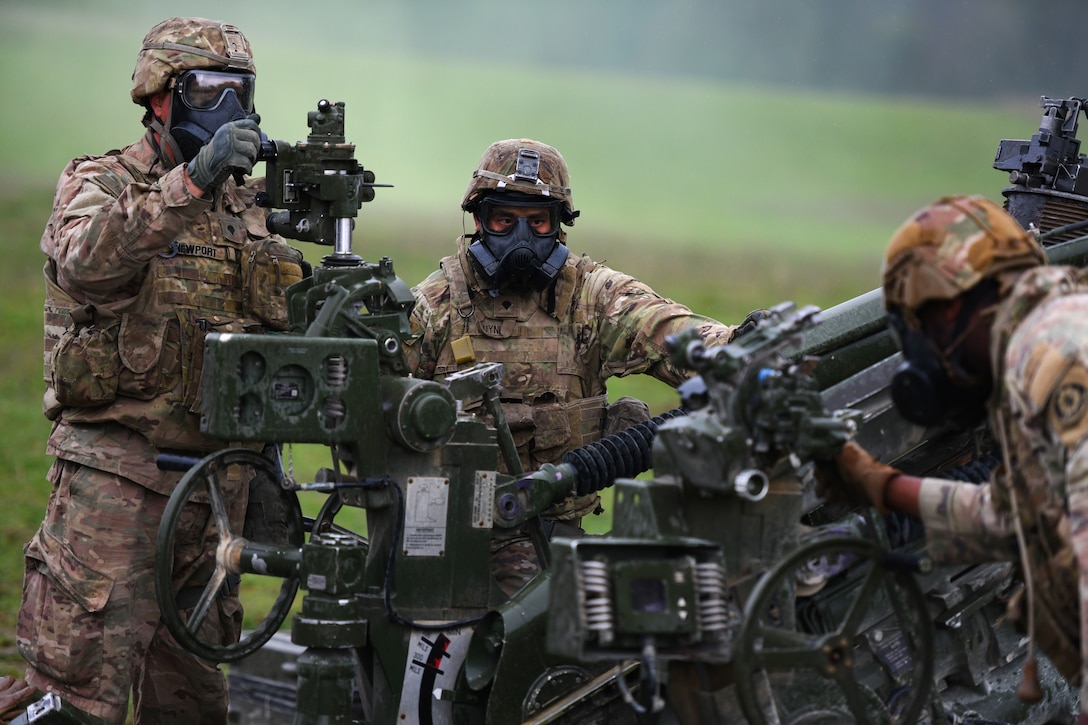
(645, 618)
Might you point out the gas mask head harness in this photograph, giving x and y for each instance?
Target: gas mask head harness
(203, 100)
(936, 382)
(518, 238)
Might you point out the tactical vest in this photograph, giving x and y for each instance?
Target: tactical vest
(1041, 497)
(551, 395)
(138, 361)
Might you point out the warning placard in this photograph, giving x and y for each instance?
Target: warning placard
(426, 503)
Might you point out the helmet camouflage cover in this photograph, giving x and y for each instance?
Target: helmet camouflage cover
(951, 245)
(180, 44)
(525, 166)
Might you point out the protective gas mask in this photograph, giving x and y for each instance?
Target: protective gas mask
(932, 385)
(204, 100)
(518, 242)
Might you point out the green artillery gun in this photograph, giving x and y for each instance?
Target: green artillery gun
(726, 592)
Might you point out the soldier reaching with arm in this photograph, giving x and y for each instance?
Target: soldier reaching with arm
(148, 249)
(986, 325)
(560, 324)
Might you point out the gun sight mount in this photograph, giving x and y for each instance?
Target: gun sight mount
(318, 184)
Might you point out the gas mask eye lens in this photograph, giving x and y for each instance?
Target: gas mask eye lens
(203, 90)
(499, 222)
(204, 100)
(542, 218)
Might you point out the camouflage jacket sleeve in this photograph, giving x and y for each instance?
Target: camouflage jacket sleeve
(430, 325)
(962, 524)
(106, 225)
(634, 322)
(1077, 490)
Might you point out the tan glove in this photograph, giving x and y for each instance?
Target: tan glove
(854, 477)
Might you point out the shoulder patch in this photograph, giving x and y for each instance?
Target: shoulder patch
(1068, 406)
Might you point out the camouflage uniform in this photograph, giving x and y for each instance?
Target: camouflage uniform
(1042, 358)
(138, 271)
(1039, 354)
(558, 346)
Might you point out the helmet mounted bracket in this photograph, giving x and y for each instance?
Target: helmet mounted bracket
(527, 167)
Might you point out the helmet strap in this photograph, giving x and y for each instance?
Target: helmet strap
(169, 153)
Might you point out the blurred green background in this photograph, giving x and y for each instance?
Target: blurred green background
(710, 154)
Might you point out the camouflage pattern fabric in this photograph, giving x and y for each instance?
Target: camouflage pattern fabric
(558, 347)
(1041, 357)
(90, 621)
(949, 246)
(496, 173)
(125, 244)
(269, 267)
(129, 248)
(180, 44)
(624, 413)
(513, 562)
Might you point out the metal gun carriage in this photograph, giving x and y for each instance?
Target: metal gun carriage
(725, 592)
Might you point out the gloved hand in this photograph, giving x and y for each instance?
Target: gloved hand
(749, 323)
(233, 149)
(854, 476)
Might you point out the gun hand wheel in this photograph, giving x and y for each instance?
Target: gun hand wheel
(204, 476)
(323, 522)
(770, 642)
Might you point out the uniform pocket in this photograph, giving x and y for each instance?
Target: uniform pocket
(86, 365)
(553, 431)
(145, 371)
(269, 267)
(61, 624)
(230, 620)
(193, 340)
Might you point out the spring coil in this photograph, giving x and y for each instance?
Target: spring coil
(621, 455)
(598, 608)
(710, 588)
(335, 412)
(336, 371)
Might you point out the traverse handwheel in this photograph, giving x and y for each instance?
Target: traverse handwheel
(884, 592)
(235, 555)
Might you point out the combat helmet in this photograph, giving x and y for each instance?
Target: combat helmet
(949, 246)
(521, 166)
(179, 44)
(960, 254)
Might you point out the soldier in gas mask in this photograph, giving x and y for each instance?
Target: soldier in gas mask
(987, 327)
(148, 249)
(560, 323)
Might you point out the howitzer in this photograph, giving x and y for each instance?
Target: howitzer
(725, 592)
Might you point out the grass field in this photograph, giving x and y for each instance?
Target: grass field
(724, 198)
